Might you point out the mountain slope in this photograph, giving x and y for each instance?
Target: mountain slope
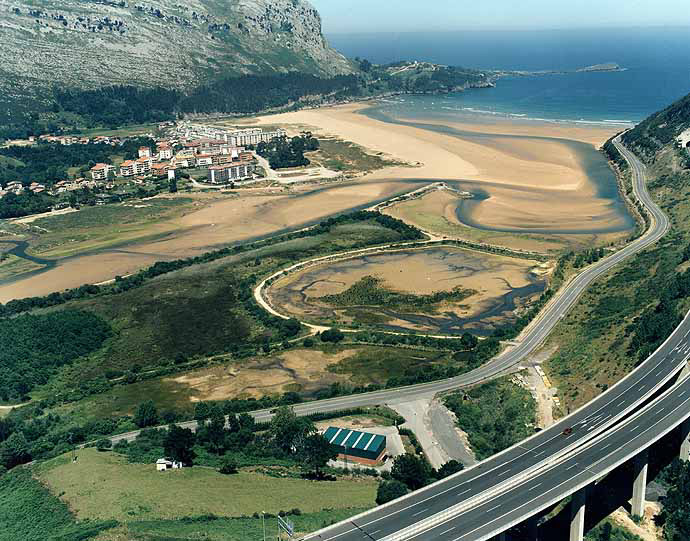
(94, 43)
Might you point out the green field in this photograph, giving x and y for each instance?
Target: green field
(103, 226)
(31, 513)
(103, 486)
(222, 529)
(619, 318)
(338, 155)
(195, 312)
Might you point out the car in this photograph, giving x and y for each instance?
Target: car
(568, 431)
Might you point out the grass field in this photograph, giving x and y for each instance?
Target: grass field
(103, 486)
(12, 266)
(189, 315)
(222, 529)
(102, 226)
(338, 155)
(29, 512)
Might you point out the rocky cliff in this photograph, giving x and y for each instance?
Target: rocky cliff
(173, 43)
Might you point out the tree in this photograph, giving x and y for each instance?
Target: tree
(390, 490)
(332, 335)
(213, 433)
(104, 444)
(449, 468)
(289, 432)
(228, 466)
(316, 452)
(201, 411)
(14, 451)
(179, 445)
(411, 470)
(146, 415)
(675, 513)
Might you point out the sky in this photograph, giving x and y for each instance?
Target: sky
(343, 16)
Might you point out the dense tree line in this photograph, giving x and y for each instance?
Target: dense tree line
(118, 105)
(495, 415)
(15, 206)
(659, 130)
(160, 268)
(283, 152)
(32, 347)
(49, 162)
(236, 438)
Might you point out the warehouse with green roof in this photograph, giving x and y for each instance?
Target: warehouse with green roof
(357, 446)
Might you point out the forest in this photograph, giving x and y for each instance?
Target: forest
(48, 163)
(34, 347)
(284, 152)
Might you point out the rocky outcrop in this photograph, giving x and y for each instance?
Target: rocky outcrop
(172, 43)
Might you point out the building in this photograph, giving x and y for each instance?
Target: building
(204, 160)
(165, 151)
(361, 447)
(160, 169)
(253, 136)
(127, 168)
(144, 152)
(100, 171)
(163, 464)
(684, 139)
(142, 166)
(229, 172)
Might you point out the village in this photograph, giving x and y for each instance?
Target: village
(224, 157)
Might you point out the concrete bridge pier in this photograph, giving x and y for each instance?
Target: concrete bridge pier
(640, 466)
(685, 441)
(533, 528)
(577, 515)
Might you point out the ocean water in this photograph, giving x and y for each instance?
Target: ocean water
(656, 62)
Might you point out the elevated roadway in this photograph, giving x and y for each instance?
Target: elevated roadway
(494, 475)
(582, 468)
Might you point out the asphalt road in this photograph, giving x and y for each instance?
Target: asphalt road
(582, 468)
(519, 461)
(494, 474)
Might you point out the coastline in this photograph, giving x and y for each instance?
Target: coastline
(532, 178)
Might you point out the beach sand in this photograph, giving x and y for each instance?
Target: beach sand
(530, 183)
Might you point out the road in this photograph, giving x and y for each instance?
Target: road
(589, 421)
(520, 460)
(582, 468)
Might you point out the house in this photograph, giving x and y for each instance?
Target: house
(165, 151)
(204, 160)
(223, 174)
(127, 168)
(142, 166)
(100, 171)
(144, 152)
(684, 139)
(163, 464)
(160, 169)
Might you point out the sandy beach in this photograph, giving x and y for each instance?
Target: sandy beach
(530, 182)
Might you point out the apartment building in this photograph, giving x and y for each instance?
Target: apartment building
(223, 174)
(100, 171)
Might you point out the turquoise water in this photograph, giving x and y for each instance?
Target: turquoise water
(657, 72)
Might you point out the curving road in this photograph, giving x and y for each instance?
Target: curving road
(519, 462)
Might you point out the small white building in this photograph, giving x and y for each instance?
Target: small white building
(684, 139)
(163, 464)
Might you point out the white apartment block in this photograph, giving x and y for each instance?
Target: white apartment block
(222, 174)
(100, 171)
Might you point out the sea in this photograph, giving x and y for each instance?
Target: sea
(656, 63)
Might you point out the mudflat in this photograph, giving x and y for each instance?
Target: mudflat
(532, 178)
